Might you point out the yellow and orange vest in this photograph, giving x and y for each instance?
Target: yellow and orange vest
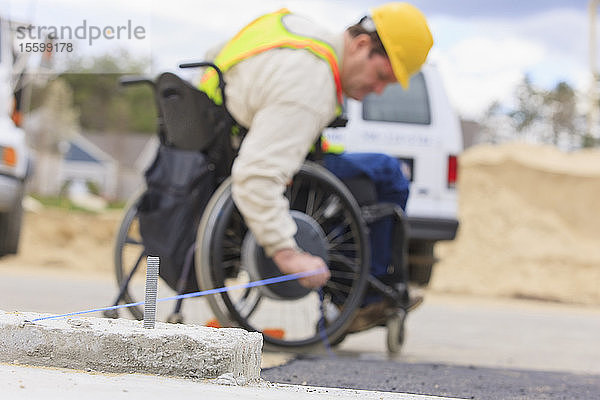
(265, 33)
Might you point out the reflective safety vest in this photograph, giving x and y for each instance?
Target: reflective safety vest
(331, 148)
(265, 33)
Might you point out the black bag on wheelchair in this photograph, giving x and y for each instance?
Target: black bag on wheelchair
(179, 185)
(194, 156)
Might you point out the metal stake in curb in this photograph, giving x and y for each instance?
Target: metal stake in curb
(152, 266)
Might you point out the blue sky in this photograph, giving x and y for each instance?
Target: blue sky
(500, 8)
(483, 48)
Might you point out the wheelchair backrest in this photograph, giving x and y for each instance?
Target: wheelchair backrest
(189, 116)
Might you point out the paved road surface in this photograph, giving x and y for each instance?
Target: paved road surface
(470, 348)
(456, 346)
(471, 382)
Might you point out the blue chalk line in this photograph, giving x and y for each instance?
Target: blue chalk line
(262, 282)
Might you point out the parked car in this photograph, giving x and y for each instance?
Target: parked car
(420, 128)
(14, 153)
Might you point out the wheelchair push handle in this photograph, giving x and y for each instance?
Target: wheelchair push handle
(130, 80)
(213, 66)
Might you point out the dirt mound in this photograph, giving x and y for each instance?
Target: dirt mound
(530, 225)
(70, 240)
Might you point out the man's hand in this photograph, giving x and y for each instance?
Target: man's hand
(291, 261)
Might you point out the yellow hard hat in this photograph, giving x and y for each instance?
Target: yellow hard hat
(406, 38)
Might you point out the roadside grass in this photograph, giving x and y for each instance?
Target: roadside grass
(63, 202)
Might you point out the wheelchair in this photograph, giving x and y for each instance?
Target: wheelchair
(332, 219)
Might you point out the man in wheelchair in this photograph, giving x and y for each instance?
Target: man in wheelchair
(257, 208)
(285, 78)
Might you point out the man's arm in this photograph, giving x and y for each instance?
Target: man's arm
(270, 155)
(286, 97)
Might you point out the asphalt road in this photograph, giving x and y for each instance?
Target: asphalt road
(472, 382)
(456, 346)
(469, 348)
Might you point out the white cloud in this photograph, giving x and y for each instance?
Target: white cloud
(478, 71)
(486, 57)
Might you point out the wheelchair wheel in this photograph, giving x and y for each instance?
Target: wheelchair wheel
(329, 225)
(129, 256)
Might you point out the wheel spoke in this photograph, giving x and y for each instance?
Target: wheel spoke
(325, 207)
(293, 191)
(337, 294)
(310, 199)
(231, 252)
(340, 259)
(343, 247)
(340, 287)
(335, 237)
(343, 274)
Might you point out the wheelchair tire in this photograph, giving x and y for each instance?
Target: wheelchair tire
(129, 252)
(287, 323)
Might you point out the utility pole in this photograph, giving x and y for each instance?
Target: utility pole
(594, 111)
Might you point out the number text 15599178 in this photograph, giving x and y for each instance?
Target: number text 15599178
(46, 47)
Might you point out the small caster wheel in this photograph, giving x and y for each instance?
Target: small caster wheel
(175, 318)
(395, 332)
(114, 314)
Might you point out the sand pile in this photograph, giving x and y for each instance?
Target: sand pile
(530, 225)
(69, 240)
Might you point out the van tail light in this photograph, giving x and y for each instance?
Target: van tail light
(9, 156)
(452, 171)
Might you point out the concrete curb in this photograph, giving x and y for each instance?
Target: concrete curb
(119, 345)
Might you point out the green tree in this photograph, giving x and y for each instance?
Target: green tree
(547, 115)
(103, 104)
(529, 106)
(561, 104)
(489, 122)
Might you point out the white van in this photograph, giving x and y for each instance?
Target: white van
(420, 128)
(14, 153)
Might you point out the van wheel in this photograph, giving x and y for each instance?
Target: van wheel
(420, 261)
(10, 229)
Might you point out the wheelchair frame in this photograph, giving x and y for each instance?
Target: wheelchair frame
(319, 192)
